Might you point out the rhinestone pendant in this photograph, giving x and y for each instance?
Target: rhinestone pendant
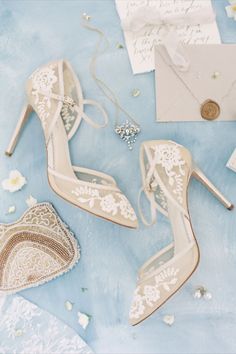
(128, 132)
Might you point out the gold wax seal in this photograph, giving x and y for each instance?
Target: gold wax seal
(210, 110)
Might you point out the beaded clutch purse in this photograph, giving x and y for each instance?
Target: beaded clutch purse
(35, 249)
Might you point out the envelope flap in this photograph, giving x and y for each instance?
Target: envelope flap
(211, 74)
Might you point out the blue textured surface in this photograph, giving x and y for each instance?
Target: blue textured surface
(35, 32)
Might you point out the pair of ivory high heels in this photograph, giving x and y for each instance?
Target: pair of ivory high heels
(55, 94)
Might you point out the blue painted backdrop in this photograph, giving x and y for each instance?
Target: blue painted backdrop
(35, 32)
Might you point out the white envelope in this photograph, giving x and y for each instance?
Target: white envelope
(211, 76)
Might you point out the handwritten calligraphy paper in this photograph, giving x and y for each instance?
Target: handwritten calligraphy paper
(140, 45)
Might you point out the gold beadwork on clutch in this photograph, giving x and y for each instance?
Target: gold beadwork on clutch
(35, 249)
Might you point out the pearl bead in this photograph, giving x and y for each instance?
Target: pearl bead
(208, 295)
(197, 294)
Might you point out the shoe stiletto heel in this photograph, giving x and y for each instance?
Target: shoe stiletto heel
(20, 125)
(55, 94)
(166, 169)
(199, 175)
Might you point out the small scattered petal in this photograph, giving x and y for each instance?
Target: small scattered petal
(31, 201)
(83, 319)
(18, 332)
(119, 46)
(169, 319)
(136, 92)
(84, 289)
(15, 182)
(68, 305)
(215, 75)
(86, 16)
(11, 209)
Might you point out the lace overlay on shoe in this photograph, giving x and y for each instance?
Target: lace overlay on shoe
(68, 116)
(54, 87)
(35, 249)
(147, 295)
(45, 82)
(160, 197)
(169, 161)
(164, 173)
(44, 79)
(160, 278)
(110, 203)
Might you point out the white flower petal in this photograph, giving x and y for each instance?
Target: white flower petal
(11, 209)
(5, 184)
(18, 332)
(31, 201)
(14, 174)
(83, 319)
(15, 181)
(169, 319)
(68, 305)
(229, 11)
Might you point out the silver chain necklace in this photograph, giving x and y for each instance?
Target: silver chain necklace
(129, 129)
(209, 109)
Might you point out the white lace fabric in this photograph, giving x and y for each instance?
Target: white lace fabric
(147, 295)
(27, 329)
(159, 282)
(53, 89)
(113, 203)
(164, 173)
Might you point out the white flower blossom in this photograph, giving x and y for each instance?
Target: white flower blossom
(231, 9)
(15, 181)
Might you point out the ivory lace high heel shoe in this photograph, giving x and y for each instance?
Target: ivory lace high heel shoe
(55, 94)
(166, 169)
